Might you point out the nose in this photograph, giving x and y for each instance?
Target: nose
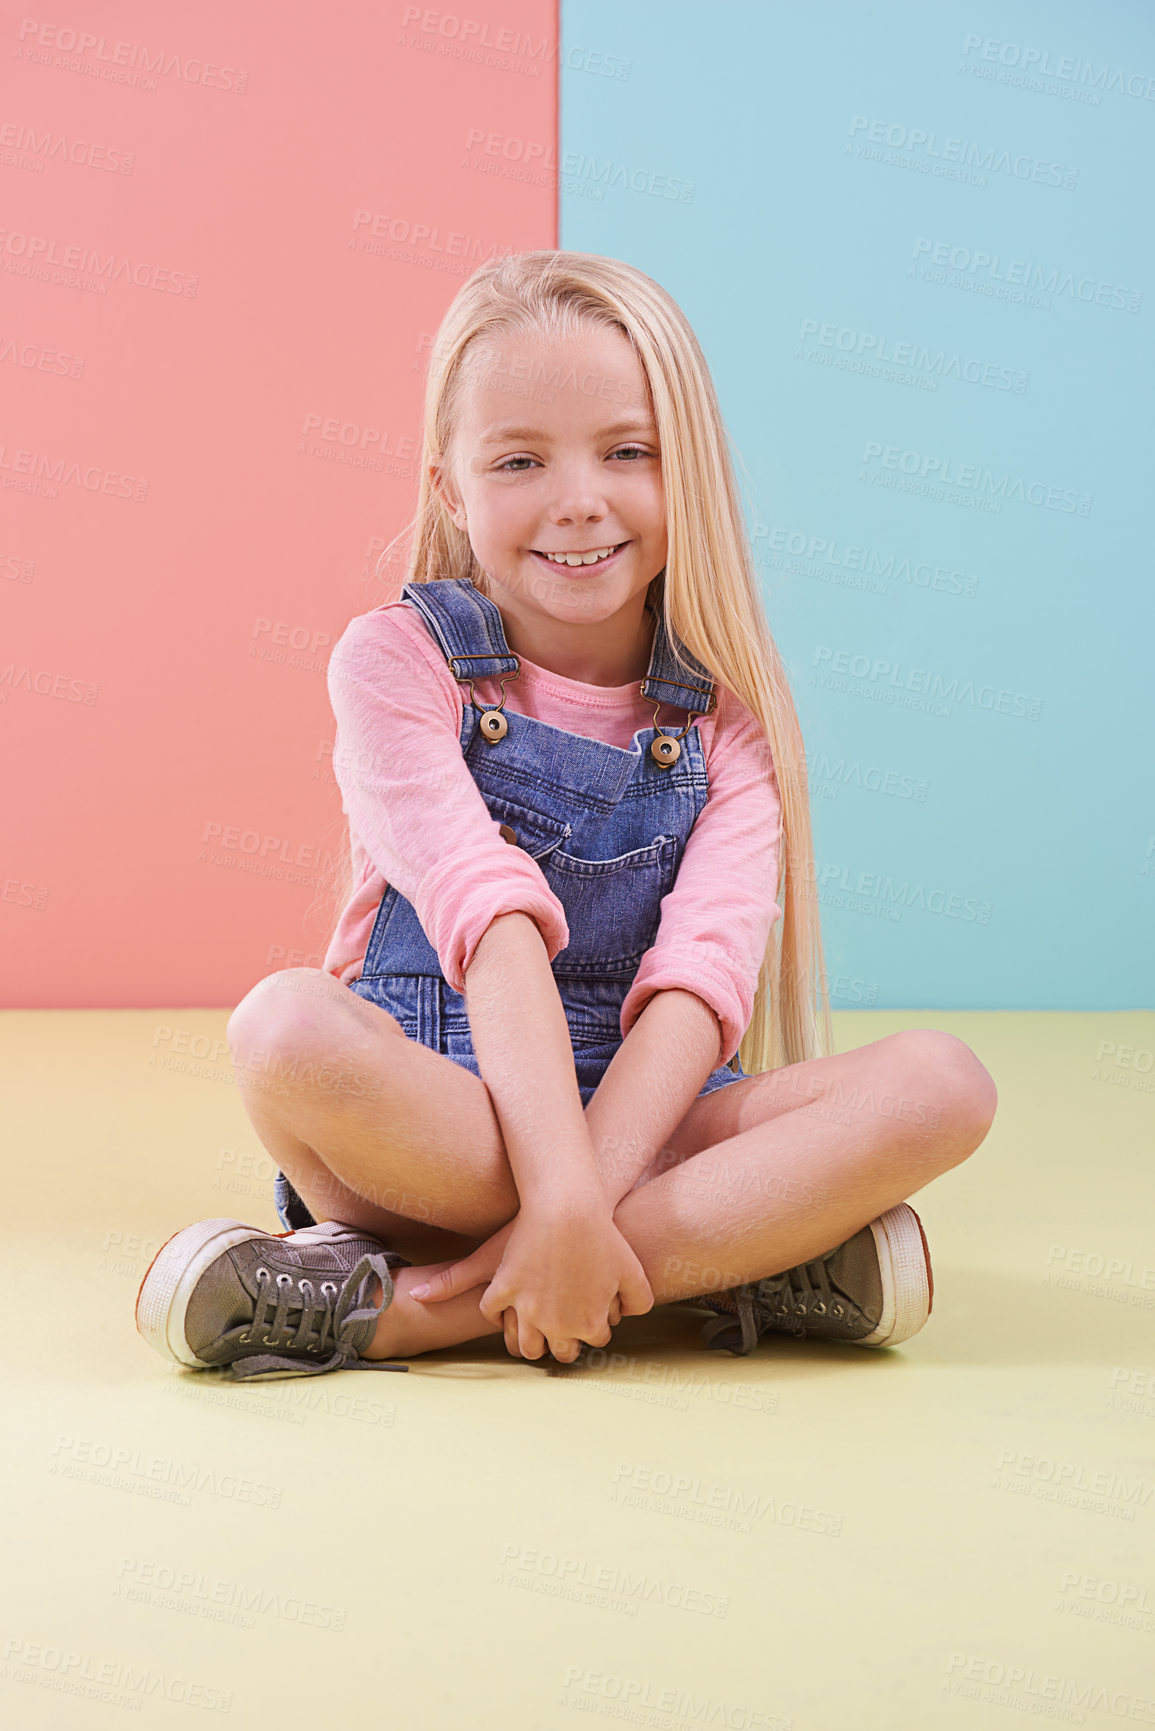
(580, 496)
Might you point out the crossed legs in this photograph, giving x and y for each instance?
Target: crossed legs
(383, 1133)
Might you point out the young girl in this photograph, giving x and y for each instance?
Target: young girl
(512, 1098)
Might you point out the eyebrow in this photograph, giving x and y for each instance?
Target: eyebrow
(497, 435)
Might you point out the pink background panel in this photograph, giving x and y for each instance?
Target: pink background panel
(200, 464)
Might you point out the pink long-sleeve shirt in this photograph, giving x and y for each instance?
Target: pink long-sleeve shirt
(417, 819)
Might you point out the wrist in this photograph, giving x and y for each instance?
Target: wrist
(567, 1202)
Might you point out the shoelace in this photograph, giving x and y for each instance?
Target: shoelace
(802, 1291)
(336, 1325)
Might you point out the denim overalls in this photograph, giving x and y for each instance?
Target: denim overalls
(606, 825)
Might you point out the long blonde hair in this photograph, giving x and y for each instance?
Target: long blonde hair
(709, 594)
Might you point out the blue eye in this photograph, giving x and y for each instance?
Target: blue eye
(507, 469)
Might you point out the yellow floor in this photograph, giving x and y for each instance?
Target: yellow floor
(956, 1532)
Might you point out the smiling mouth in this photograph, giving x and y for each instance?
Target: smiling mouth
(579, 561)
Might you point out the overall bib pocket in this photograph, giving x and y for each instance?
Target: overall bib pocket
(612, 906)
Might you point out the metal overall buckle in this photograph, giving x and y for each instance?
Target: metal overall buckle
(665, 749)
(492, 723)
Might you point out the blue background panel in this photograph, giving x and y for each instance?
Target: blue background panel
(911, 243)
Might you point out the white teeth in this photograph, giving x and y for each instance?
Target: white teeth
(579, 558)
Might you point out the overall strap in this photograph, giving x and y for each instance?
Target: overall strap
(668, 681)
(468, 629)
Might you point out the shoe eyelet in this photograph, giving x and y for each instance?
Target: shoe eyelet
(284, 1280)
(264, 1272)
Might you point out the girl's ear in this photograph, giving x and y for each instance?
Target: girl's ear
(442, 482)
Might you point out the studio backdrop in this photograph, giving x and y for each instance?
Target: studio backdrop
(922, 280)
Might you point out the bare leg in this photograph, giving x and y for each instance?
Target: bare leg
(760, 1176)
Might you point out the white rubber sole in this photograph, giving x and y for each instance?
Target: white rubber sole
(904, 1263)
(171, 1277)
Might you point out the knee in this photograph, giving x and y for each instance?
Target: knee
(281, 1014)
(953, 1098)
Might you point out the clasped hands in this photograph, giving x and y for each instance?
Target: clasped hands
(553, 1278)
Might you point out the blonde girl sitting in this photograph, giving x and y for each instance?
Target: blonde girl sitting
(563, 1060)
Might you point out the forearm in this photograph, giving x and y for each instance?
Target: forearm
(650, 1085)
(522, 1043)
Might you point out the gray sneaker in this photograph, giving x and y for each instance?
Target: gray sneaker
(219, 1292)
(874, 1290)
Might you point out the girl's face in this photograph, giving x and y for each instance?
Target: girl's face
(556, 452)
